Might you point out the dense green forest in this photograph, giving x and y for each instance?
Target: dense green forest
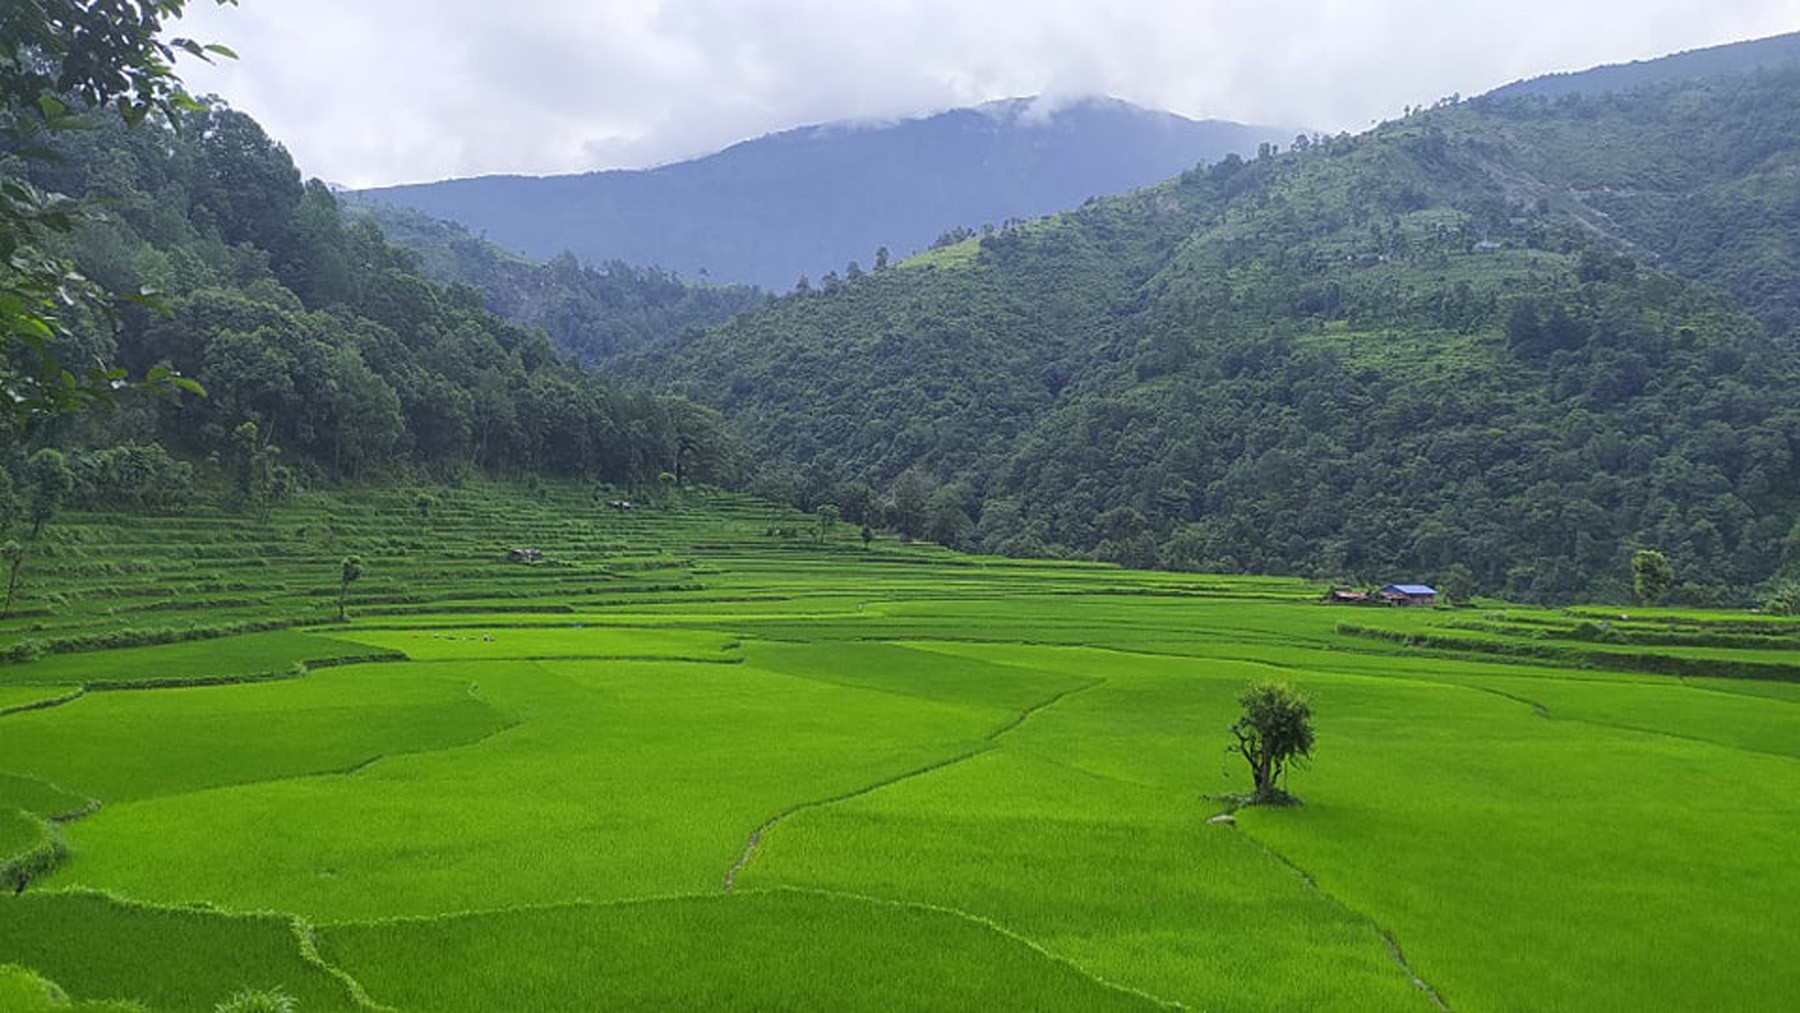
(1499, 343)
(325, 353)
(589, 313)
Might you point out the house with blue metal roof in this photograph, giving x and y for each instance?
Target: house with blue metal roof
(1409, 594)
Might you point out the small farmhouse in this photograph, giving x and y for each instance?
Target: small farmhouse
(1409, 594)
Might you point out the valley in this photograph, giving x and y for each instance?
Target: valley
(1222, 570)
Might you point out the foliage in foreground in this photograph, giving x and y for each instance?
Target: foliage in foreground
(61, 59)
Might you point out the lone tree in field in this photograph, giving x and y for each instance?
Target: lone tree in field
(1651, 575)
(1276, 728)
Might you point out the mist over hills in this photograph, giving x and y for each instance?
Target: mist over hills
(810, 200)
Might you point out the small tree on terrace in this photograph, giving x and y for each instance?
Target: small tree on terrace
(1651, 575)
(351, 571)
(827, 520)
(1275, 729)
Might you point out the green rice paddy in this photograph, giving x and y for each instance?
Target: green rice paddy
(685, 763)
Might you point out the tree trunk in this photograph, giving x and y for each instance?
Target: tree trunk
(12, 584)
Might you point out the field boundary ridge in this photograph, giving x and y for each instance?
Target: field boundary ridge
(987, 742)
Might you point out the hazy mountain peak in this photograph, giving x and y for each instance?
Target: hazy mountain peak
(808, 200)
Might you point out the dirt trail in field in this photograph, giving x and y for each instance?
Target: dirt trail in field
(1387, 938)
(988, 742)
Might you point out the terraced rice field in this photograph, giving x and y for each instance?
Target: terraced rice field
(685, 763)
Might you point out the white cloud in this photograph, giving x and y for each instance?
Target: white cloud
(365, 93)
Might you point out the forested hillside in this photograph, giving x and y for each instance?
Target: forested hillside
(1500, 344)
(589, 313)
(810, 200)
(325, 352)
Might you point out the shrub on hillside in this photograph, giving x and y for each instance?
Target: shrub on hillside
(259, 1000)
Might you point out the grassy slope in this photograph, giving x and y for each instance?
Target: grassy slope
(939, 780)
(274, 653)
(98, 947)
(780, 950)
(620, 780)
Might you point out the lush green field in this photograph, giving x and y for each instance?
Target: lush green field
(693, 764)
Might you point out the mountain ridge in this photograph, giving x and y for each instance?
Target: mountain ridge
(1708, 61)
(768, 210)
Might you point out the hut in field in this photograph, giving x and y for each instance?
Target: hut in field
(1409, 594)
(1345, 596)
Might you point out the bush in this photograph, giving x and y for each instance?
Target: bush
(40, 859)
(258, 1000)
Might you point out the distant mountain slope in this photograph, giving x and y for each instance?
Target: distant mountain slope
(589, 313)
(808, 201)
(1734, 58)
(1502, 343)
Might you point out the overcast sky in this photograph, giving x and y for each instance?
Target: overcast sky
(370, 92)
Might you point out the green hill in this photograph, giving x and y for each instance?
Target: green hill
(589, 314)
(345, 358)
(1502, 342)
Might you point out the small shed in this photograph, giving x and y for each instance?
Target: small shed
(1409, 594)
(1344, 596)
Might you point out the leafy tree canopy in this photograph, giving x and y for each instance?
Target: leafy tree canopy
(1274, 731)
(60, 59)
(1651, 575)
